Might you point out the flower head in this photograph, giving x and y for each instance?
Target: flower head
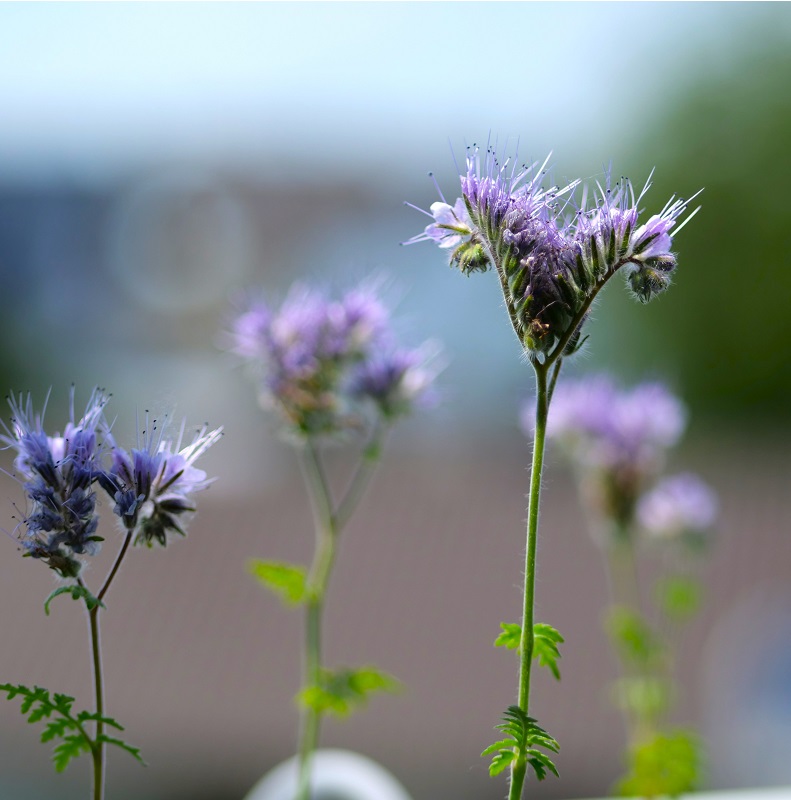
(59, 473)
(152, 485)
(552, 251)
(397, 380)
(303, 349)
(678, 506)
(616, 439)
(319, 357)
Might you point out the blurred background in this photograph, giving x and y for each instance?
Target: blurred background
(155, 160)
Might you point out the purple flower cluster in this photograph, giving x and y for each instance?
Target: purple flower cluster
(60, 474)
(609, 428)
(678, 506)
(617, 441)
(552, 248)
(319, 357)
(152, 485)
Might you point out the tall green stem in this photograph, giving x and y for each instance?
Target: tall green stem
(97, 746)
(330, 521)
(97, 751)
(519, 766)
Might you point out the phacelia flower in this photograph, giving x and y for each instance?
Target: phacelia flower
(60, 472)
(303, 349)
(153, 485)
(616, 439)
(552, 251)
(678, 506)
(319, 357)
(396, 380)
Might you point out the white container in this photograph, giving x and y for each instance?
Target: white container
(336, 775)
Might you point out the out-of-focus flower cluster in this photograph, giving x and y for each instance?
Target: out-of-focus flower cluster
(617, 441)
(552, 248)
(150, 485)
(319, 361)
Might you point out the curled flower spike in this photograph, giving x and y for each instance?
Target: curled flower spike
(152, 485)
(60, 472)
(552, 253)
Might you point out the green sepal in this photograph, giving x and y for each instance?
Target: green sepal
(611, 250)
(77, 592)
(289, 581)
(343, 691)
(523, 736)
(595, 257)
(627, 235)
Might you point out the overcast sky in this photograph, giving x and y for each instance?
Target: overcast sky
(87, 90)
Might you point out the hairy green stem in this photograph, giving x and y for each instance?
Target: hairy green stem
(519, 765)
(97, 751)
(330, 521)
(97, 745)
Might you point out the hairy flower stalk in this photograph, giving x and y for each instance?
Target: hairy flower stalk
(553, 249)
(331, 370)
(152, 490)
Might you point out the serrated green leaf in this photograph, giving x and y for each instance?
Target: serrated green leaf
(71, 747)
(501, 761)
(524, 736)
(510, 636)
(77, 592)
(92, 716)
(545, 647)
(493, 748)
(343, 691)
(38, 704)
(289, 581)
(541, 762)
(133, 751)
(545, 643)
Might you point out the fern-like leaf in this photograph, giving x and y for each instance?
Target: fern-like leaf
(510, 636)
(133, 751)
(523, 738)
(545, 643)
(545, 647)
(63, 726)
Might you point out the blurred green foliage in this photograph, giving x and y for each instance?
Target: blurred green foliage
(723, 332)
